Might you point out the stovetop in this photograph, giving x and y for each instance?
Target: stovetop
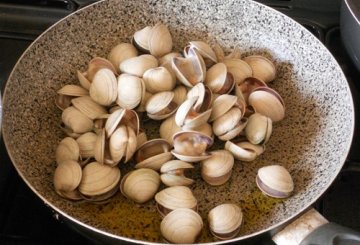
(25, 219)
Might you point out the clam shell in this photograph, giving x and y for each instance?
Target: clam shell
(173, 173)
(121, 52)
(86, 144)
(161, 105)
(89, 107)
(227, 122)
(103, 88)
(235, 131)
(205, 129)
(68, 149)
(175, 197)
(76, 121)
(268, 102)
(275, 181)
(204, 95)
(225, 221)
(244, 151)
(122, 116)
(205, 51)
(73, 90)
(238, 68)
(158, 79)
(258, 129)
(118, 143)
(140, 185)
(221, 105)
(217, 169)
(98, 179)
(138, 65)
(160, 40)
(141, 138)
(141, 39)
(130, 89)
(97, 64)
(166, 61)
(153, 154)
(262, 67)
(67, 176)
(83, 80)
(219, 80)
(181, 226)
(244, 89)
(168, 128)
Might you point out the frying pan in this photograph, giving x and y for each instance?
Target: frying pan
(312, 142)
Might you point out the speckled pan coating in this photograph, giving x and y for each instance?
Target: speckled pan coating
(312, 141)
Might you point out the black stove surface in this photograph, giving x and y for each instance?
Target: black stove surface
(25, 219)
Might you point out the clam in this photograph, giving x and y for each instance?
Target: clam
(188, 118)
(225, 221)
(168, 128)
(121, 52)
(217, 169)
(204, 97)
(75, 122)
(141, 39)
(97, 64)
(166, 61)
(122, 116)
(244, 89)
(205, 129)
(221, 105)
(219, 52)
(262, 67)
(161, 105)
(122, 144)
(144, 99)
(86, 144)
(140, 185)
(230, 124)
(190, 146)
(175, 197)
(244, 151)
(205, 51)
(182, 226)
(67, 178)
(131, 90)
(191, 70)
(153, 154)
(173, 173)
(141, 138)
(268, 102)
(239, 69)
(103, 87)
(67, 93)
(179, 94)
(138, 65)
(83, 80)
(258, 129)
(160, 40)
(89, 107)
(99, 182)
(219, 80)
(158, 79)
(68, 149)
(275, 181)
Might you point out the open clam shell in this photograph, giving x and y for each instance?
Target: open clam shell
(221, 105)
(75, 121)
(244, 151)
(219, 80)
(161, 105)
(121, 52)
(137, 66)
(173, 173)
(158, 79)
(86, 144)
(205, 51)
(141, 39)
(160, 40)
(258, 129)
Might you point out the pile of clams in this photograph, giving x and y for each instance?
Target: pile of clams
(199, 96)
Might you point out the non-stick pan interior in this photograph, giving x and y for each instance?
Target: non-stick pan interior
(312, 141)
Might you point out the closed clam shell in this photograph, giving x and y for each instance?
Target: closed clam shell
(89, 107)
(238, 68)
(258, 129)
(221, 105)
(275, 181)
(217, 169)
(121, 52)
(68, 149)
(86, 144)
(98, 179)
(225, 221)
(160, 40)
(153, 154)
(118, 143)
(219, 80)
(158, 79)
(268, 102)
(67, 176)
(175, 197)
(140, 185)
(130, 89)
(262, 68)
(173, 173)
(138, 65)
(168, 128)
(141, 39)
(181, 226)
(76, 121)
(103, 88)
(161, 105)
(244, 151)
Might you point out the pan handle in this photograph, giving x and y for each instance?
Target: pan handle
(312, 228)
